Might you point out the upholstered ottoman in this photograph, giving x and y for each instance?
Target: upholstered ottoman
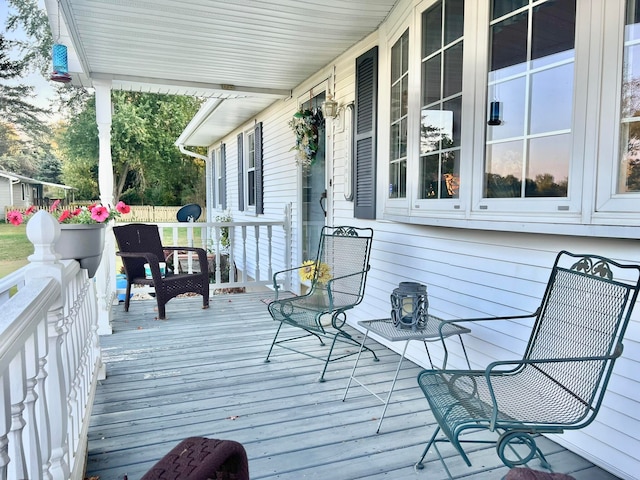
(198, 458)
(529, 474)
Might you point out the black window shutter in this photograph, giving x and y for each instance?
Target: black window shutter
(258, 172)
(223, 175)
(240, 174)
(365, 135)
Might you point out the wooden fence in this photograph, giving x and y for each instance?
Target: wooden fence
(139, 213)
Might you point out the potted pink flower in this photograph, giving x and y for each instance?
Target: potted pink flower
(93, 214)
(81, 230)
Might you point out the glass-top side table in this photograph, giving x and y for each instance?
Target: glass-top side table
(385, 328)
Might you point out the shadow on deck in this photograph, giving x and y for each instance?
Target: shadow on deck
(202, 373)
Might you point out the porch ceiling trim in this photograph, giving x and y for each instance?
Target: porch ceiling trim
(247, 53)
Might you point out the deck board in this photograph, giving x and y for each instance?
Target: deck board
(202, 373)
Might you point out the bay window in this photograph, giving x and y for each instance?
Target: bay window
(515, 115)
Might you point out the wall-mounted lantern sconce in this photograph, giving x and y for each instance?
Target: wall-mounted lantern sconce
(330, 108)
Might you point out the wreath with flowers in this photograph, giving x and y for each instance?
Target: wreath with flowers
(305, 124)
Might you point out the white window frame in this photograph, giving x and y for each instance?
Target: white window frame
(449, 207)
(592, 206)
(249, 152)
(396, 206)
(545, 209)
(217, 169)
(608, 200)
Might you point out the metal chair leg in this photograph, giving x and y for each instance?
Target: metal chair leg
(266, 360)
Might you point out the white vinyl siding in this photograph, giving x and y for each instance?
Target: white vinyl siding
(489, 262)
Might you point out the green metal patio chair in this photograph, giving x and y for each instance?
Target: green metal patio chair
(338, 277)
(560, 381)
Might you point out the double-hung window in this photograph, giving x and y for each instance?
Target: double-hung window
(250, 169)
(219, 179)
(619, 181)
(530, 99)
(441, 100)
(399, 117)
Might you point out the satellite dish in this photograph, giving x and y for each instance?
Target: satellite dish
(189, 213)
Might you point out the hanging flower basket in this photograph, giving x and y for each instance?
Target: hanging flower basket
(305, 124)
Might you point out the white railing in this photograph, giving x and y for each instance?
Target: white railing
(49, 346)
(250, 249)
(49, 363)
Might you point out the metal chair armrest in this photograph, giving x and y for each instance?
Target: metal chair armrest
(444, 323)
(276, 284)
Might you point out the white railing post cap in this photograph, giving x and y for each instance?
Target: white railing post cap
(43, 230)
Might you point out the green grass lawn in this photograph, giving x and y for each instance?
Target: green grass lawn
(14, 248)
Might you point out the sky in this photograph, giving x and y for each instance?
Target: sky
(43, 88)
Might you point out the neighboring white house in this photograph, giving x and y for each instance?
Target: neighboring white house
(21, 192)
(473, 205)
(476, 137)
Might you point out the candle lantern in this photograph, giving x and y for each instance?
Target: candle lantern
(409, 306)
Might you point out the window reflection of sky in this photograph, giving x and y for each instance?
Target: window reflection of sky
(536, 107)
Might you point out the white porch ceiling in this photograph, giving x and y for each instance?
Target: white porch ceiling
(226, 49)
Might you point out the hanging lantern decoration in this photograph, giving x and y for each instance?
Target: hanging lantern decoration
(409, 306)
(60, 64)
(495, 116)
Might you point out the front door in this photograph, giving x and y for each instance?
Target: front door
(314, 190)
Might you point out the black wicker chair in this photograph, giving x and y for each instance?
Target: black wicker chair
(139, 244)
(199, 458)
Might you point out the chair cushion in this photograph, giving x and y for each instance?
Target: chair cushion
(198, 458)
(529, 474)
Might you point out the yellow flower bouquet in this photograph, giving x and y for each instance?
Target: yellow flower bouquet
(308, 269)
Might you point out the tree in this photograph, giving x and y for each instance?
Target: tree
(17, 155)
(15, 107)
(36, 51)
(148, 168)
(50, 170)
(24, 132)
(10, 143)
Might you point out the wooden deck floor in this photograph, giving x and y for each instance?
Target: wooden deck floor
(202, 373)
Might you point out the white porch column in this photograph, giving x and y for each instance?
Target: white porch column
(105, 276)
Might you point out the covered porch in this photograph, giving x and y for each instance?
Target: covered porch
(489, 255)
(202, 373)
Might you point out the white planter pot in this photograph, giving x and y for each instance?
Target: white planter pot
(82, 242)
